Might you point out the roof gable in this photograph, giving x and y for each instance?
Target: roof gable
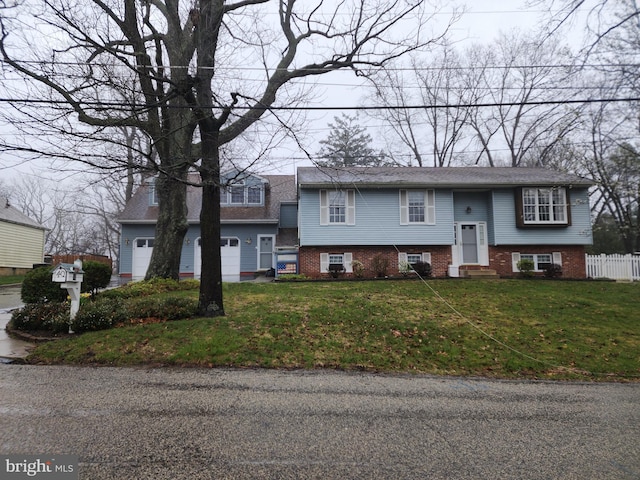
(10, 214)
(278, 189)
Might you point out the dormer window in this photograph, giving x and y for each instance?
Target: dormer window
(240, 194)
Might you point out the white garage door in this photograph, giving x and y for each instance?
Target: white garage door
(142, 249)
(230, 257)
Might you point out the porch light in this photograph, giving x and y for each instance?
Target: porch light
(468, 210)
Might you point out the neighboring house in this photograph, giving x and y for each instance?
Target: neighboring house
(457, 219)
(21, 241)
(258, 214)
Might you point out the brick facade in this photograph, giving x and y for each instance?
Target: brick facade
(309, 258)
(500, 260)
(573, 258)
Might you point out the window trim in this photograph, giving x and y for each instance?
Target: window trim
(556, 259)
(226, 195)
(429, 207)
(520, 205)
(347, 259)
(350, 207)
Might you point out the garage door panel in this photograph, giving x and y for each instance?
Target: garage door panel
(229, 256)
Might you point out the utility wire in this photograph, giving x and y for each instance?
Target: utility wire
(105, 105)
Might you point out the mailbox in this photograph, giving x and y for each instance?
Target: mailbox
(68, 272)
(70, 276)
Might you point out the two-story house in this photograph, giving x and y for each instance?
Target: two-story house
(456, 219)
(258, 213)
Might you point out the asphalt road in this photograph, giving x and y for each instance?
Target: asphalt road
(231, 424)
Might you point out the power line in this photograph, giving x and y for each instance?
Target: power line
(125, 106)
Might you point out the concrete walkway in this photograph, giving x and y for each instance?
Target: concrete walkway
(10, 348)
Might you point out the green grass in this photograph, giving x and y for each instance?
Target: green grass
(11, 279)
(504, 328)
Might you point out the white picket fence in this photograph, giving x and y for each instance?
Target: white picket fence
(615, 267)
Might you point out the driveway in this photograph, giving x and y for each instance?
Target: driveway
(243, 424)
(10, 348)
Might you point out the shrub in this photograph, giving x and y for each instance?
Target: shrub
(99, 315)
(97, 275)
(51, 316)
(150, 287)
(526, 267)
(292, 276)
(380, 264)
(423, 269)
(336, 269)
(167, 308)
(37, 287)
(358, 268)
(553, 271)
(405, 268)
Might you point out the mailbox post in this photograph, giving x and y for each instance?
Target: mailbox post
(70, 276)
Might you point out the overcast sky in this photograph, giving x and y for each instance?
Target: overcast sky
(481, 23)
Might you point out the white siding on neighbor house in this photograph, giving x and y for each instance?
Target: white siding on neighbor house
(377, 221)
(20, 246)
(505, 231)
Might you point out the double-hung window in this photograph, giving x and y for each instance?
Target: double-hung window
(337, 207)
(240, 194)
(417, 207)
(543, 206)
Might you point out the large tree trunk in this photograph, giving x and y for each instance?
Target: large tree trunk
(171, 228)
(210, 304)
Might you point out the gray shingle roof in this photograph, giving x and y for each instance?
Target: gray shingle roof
(470, 177)
(13, 215)
(281, 188)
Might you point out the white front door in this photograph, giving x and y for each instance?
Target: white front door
(471, 245)
(265, 251)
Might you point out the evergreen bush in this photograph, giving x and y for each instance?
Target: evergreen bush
(97, 275)
(526, 267)
(37, 287)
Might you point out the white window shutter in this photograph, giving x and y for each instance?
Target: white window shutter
(557, 258)
(348, 262)
(324, 262)
(402, 261)
(515, 258)
(324, 208)
(351, 207)
(404, 208)
(426, 257)
(430, 204)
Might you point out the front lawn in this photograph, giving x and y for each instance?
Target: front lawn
(503, 328)
(11, 279)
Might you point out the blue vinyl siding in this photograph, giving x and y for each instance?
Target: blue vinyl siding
(288, 215)
(505, 231)
(248, 252)
(130, 233)
(377, 221)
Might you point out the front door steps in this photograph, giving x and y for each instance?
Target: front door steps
(477, 271)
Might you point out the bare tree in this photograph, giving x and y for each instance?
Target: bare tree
(177, 64)
(79, 218)
(520, 87)
(438, 129)
(613, 161)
